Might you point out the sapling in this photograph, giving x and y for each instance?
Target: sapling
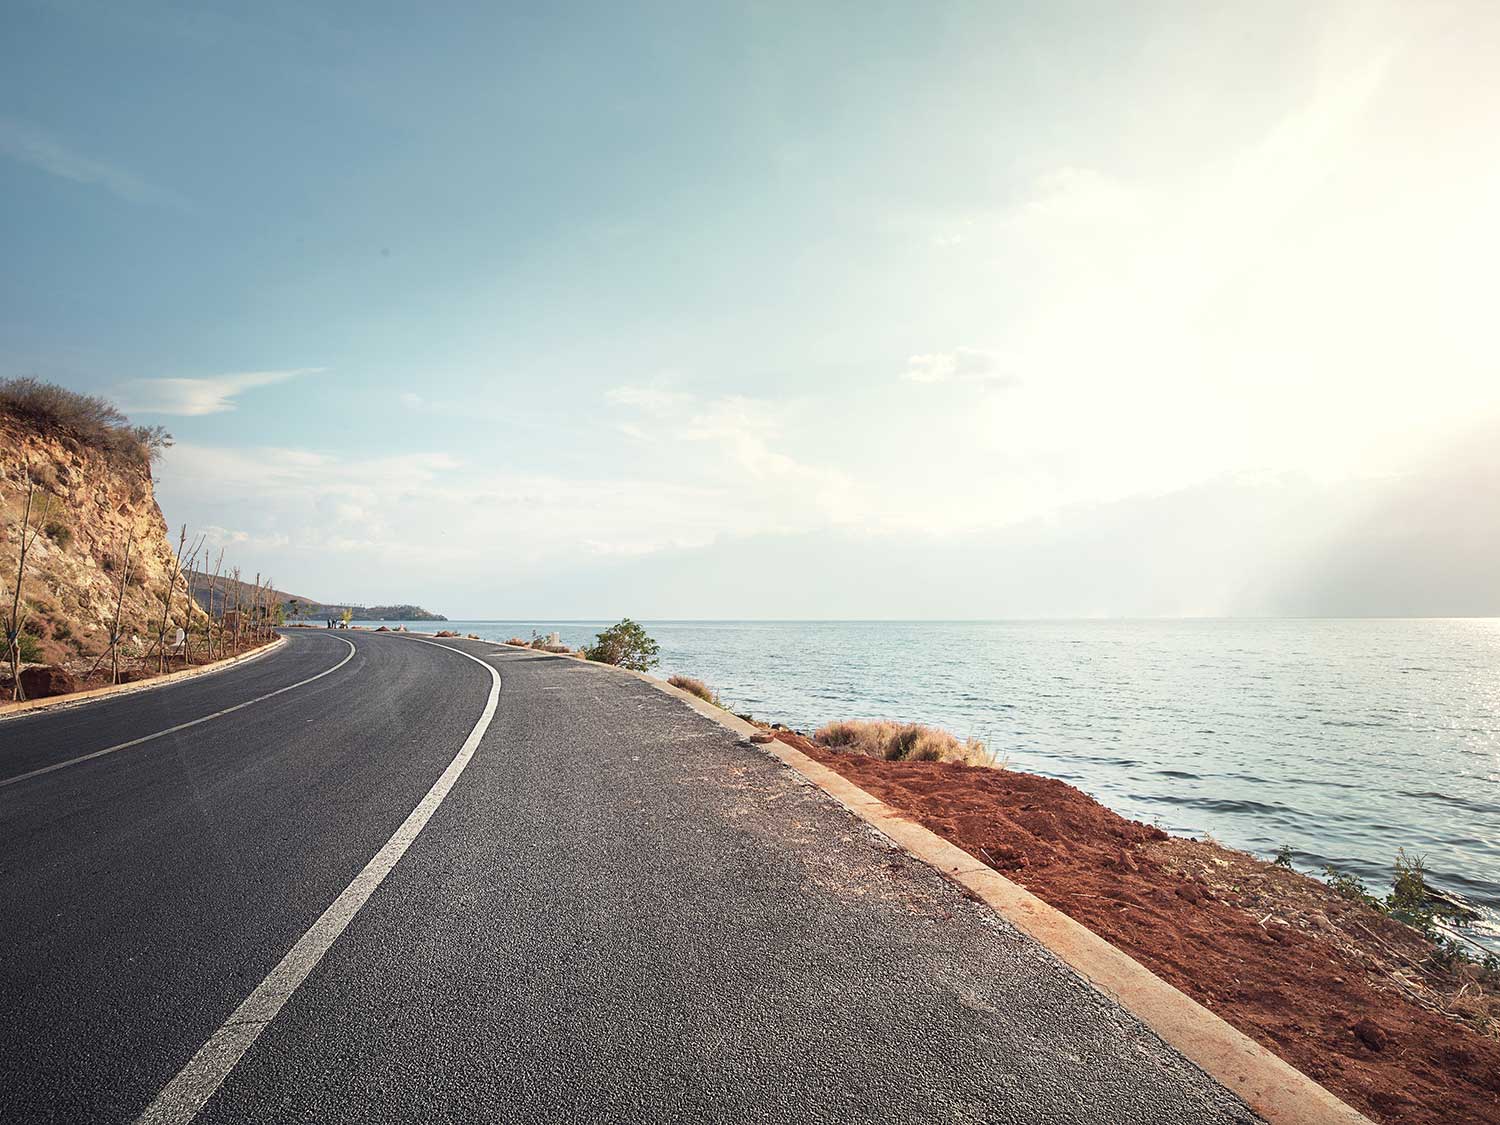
(17, 617)
(166, 600)
(114, 630)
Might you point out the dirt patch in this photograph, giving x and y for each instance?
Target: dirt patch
(83, 675)
(1340, 991)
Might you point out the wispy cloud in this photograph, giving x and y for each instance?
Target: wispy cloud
(962, 365)
(211, 395)
(40, 149)
(653, 398)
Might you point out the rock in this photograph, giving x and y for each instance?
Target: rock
(47, 680)
(762, 737)
(1371, 1034)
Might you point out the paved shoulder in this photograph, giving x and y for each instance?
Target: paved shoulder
(622, 914)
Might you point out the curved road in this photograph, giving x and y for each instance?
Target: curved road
(386, 894)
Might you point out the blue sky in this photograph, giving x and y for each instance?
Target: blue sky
(783, 310)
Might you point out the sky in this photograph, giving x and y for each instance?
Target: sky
(927, 310)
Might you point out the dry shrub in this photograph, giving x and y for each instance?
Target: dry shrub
(519, 641)
(696, 687)
(902, 742)
(86, 419)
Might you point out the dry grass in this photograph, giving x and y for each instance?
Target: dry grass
(903, 742)
(696, 687)
(87, 419)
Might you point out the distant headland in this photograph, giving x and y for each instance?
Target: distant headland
(297, 607)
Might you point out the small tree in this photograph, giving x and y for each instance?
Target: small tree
(174, 572)
(625, 645)
(347, 616)
(238, 588)
(114, 628)
(16, 619)
(213, 608)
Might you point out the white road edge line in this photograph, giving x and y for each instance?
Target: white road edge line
(206, 1071)
(180, 726)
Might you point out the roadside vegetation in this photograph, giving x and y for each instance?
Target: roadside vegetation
(86, 420)
(903, 742)
(1379, 998)
(1437, 916)
(694, 686)
(88, 597)
(625, 645)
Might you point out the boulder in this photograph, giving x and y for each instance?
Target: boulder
(42, 681)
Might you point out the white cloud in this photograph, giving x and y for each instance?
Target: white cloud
(213, 394)
(652, 398)
(36, 147)
(962, 365)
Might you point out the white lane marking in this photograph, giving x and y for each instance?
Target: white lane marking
(205, 1072)
(180, 726)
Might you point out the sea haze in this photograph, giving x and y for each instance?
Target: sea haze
(1345, 739)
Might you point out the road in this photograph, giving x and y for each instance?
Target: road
(407, 888)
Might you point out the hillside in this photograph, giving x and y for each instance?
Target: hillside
(215, 594)
(297, 606)
(92, 473)
(76, 493)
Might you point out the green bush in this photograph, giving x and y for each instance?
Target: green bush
(1284, 855)
(625, 645)
(59, 533)
(30, 650)
(1349, 886)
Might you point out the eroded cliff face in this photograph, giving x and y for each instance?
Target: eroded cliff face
(94, 505)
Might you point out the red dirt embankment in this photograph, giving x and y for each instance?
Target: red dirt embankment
(1335, 988)
(52, 681)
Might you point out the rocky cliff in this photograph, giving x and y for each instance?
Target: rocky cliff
(95, 501)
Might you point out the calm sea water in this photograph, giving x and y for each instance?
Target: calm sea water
(1343, 739)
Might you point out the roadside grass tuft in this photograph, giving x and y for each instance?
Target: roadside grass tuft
(696, 687)
(903, 742)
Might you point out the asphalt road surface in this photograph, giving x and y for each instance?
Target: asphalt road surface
(409, 889)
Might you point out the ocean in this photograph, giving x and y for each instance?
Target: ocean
(1343, 739)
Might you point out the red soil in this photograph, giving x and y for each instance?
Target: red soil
(84, 676)
(1328, 984)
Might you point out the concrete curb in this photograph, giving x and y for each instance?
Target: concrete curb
(79, 698)
(1273, 1088)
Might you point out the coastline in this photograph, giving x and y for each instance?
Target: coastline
(1332, 986)
(1250, 731)
(1342, 993)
